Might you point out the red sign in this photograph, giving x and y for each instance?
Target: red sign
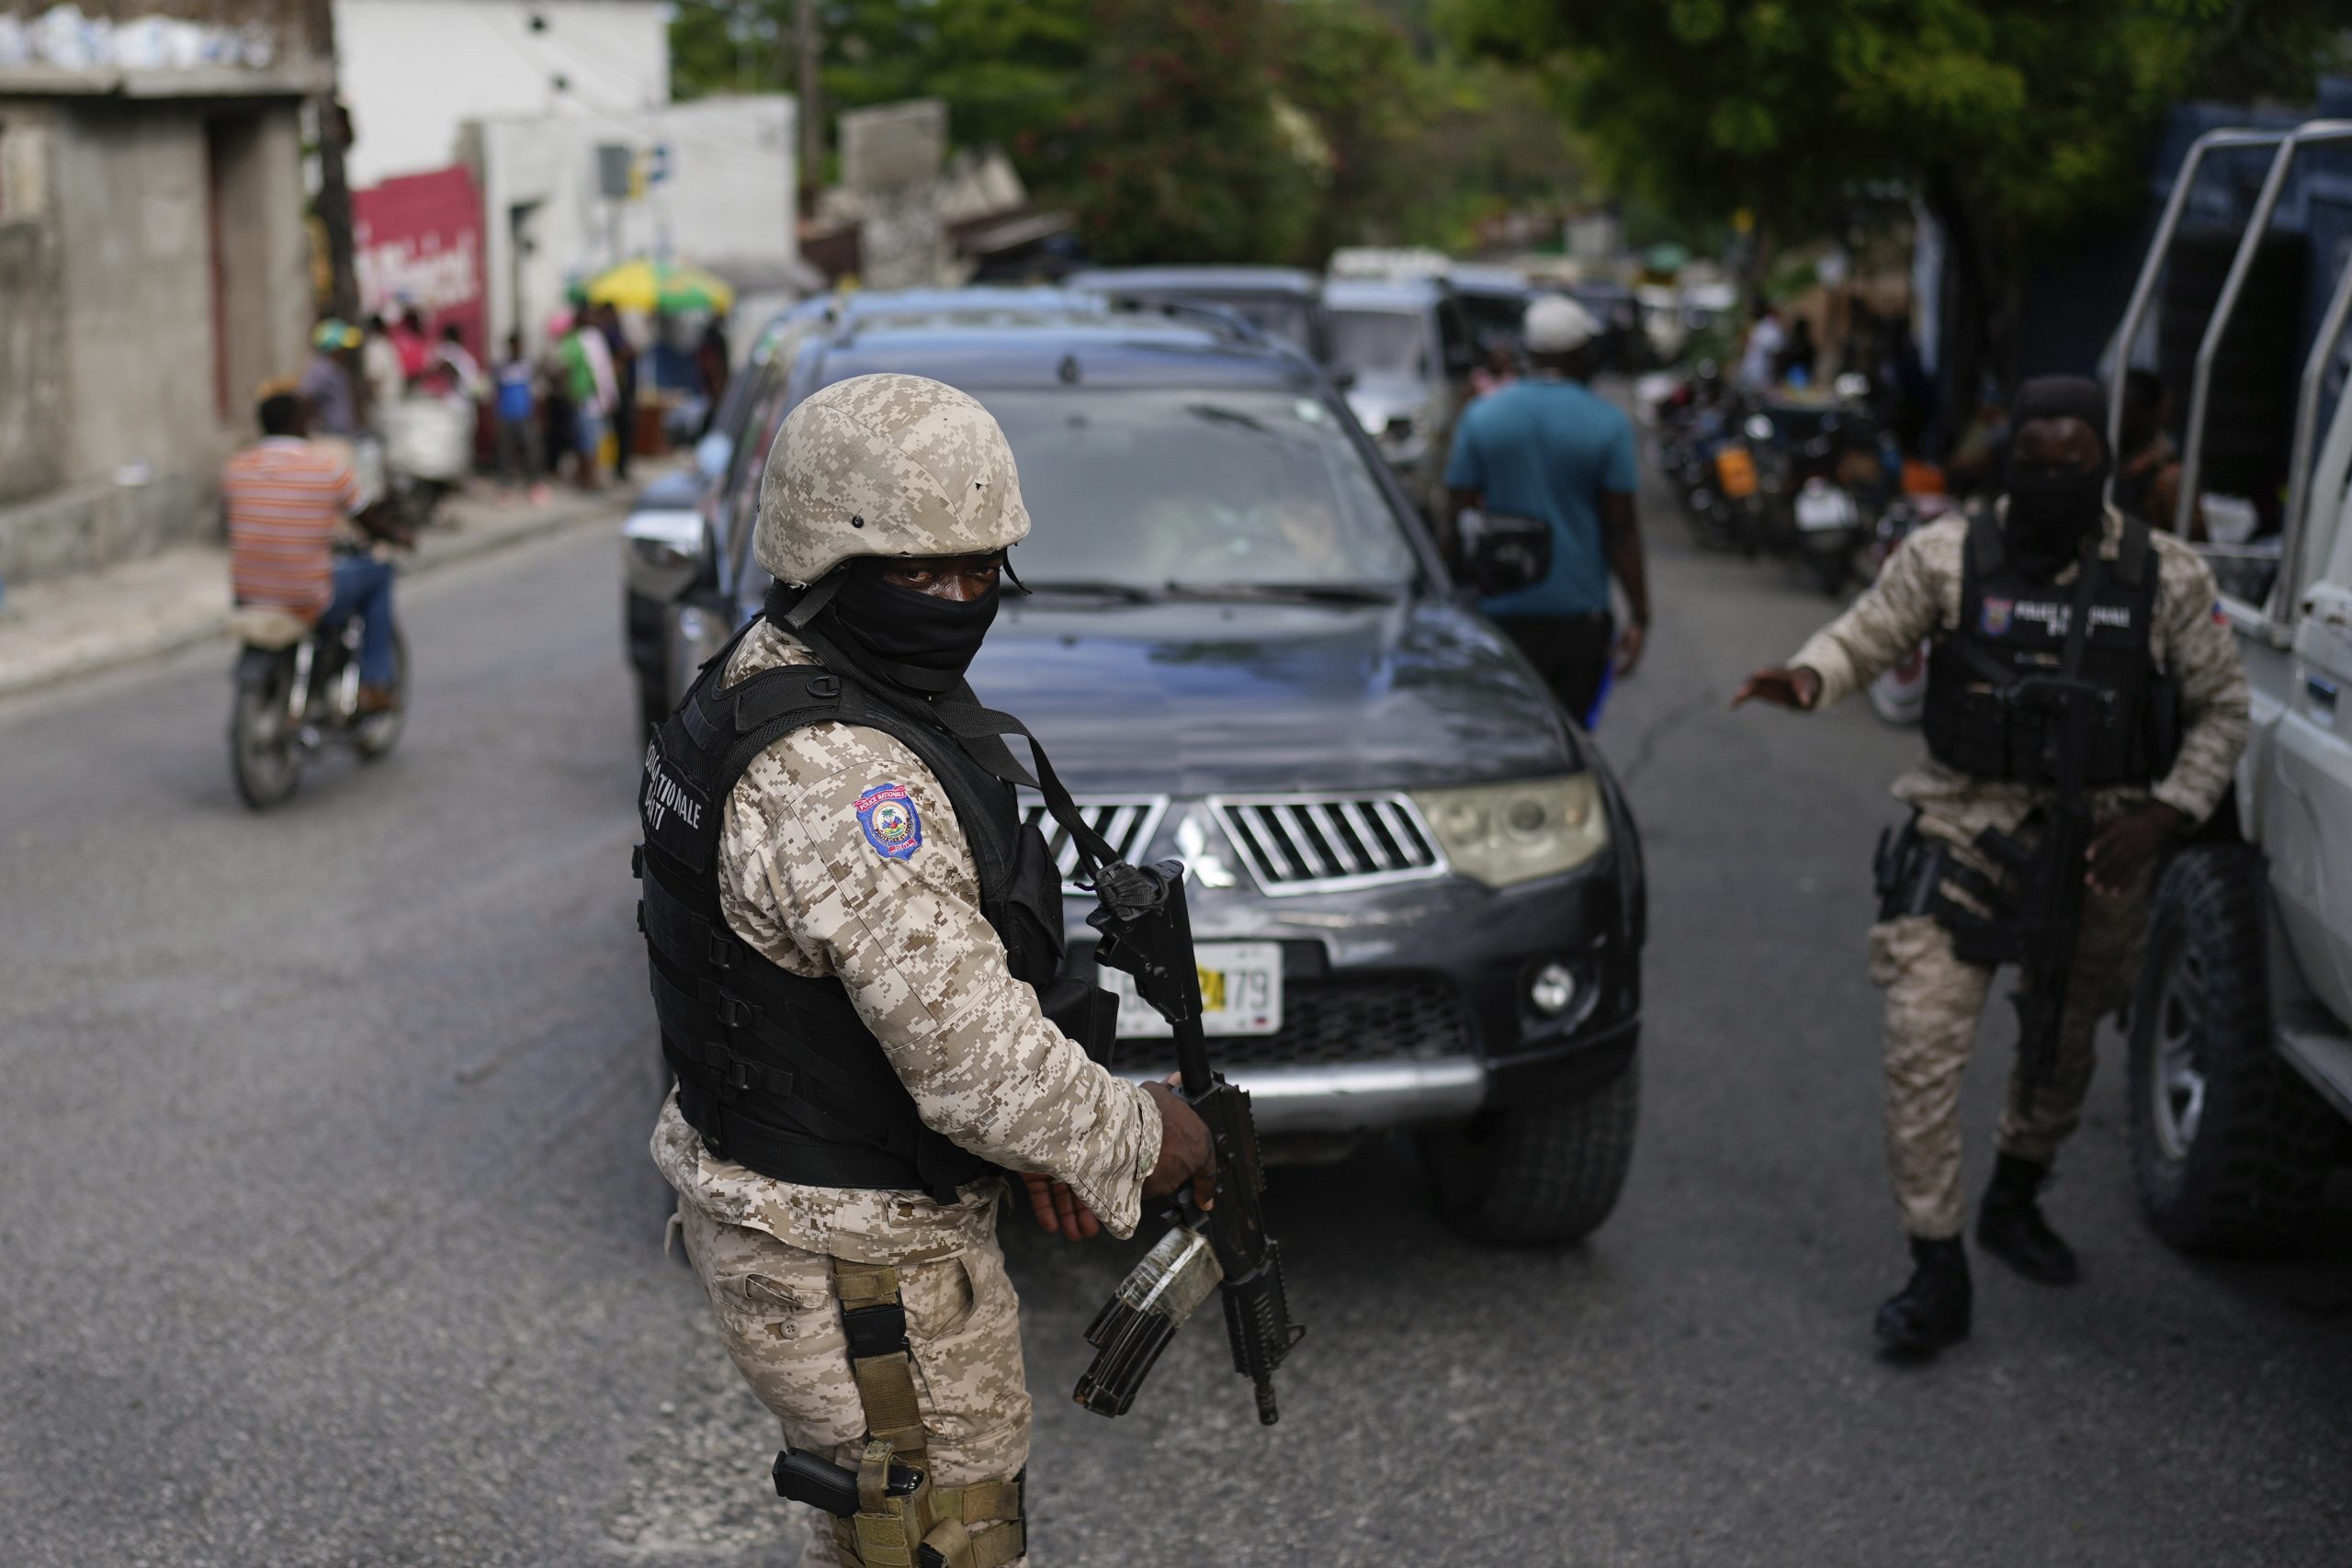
(418, 242)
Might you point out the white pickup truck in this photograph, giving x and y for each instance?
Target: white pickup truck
(2241, 1056)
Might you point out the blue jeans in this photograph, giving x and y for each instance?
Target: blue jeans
(365, 585)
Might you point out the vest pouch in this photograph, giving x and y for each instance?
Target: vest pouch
(1084, 1011)
(1030, 922)
(1973, 732)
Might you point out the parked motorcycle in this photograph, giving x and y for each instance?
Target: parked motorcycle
(298, 693)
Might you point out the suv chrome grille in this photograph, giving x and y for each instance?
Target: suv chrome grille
(1127, 824)
(1325, 843)
(1330, 1023)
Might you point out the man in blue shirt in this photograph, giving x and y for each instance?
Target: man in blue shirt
(1547, 448)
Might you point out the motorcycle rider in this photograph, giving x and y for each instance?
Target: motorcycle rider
(286, 498)
(1998, 593)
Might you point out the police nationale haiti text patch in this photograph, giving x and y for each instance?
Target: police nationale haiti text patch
(888, 814)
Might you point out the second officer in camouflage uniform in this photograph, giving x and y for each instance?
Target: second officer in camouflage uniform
(843, 1116)
(2051, 517)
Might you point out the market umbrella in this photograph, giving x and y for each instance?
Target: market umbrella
(661, 286)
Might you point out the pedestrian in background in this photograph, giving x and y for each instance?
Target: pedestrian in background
(328, 382)
(1760, 360)
(714, 366)
(2147, 466)
(380, 365)
(409, 338)
(556, 416)
(621, 356)
(1546, 447)
(1800, 359)
(517, 412)
(588, 376)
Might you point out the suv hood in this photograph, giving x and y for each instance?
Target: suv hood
(1199, 698)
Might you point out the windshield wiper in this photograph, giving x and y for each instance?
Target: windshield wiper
(1091, 588)
(1217, 413)
(1289, 593)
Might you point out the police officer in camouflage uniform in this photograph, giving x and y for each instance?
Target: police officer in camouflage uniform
(854, 949)
(1998, 594)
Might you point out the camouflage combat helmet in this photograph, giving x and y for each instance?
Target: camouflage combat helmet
(886, 465)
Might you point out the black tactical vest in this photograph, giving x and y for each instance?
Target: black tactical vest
(775, 1070)
(2012, 625)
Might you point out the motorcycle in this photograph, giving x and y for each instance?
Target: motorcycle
(298, 693)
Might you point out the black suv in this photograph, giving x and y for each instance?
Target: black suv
(1416, 889)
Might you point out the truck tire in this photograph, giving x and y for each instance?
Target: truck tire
(1536, 1173)
(2230, 1147)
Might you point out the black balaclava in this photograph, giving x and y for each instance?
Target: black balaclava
(2053, 511)
(920, 641)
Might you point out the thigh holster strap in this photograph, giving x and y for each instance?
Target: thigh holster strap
(979, 1526)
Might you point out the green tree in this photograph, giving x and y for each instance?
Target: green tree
(1182, 151)
(2013, 120)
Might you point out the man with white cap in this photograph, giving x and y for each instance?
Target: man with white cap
(1547, 448)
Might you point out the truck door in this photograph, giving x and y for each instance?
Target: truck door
(2309, 829)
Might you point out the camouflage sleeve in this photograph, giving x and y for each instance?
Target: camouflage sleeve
(1886, 623)
(2203, 654)
(865, 870)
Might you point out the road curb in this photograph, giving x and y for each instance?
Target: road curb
(448, 550)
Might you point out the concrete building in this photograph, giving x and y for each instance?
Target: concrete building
(415, 71)
(153, 269)
(566, 196)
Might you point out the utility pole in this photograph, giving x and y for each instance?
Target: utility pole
(334, 189)
(808, 51)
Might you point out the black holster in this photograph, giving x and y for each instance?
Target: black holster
(1907, 870)
(1913, 869)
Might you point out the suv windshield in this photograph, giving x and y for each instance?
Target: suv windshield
(1147, 489)
(1380, 342)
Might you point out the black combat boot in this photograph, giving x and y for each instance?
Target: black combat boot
(2009, 1224)
(1932, 1310)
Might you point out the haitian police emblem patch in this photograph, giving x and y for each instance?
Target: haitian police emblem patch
(888, 814)
(1996, 618)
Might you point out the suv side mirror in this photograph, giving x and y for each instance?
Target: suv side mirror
(1501, 554)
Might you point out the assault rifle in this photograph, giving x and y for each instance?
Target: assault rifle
(2041, 934)
(1147, 933)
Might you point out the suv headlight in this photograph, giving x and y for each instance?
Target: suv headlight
(1506, 834)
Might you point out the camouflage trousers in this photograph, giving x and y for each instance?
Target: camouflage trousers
(1933, 1003)
(782, 1324)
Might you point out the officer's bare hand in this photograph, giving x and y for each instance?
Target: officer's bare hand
(2129, 845)
(1782, 685)
(1630, 638)
(1185, 1152)
(1058, 1209)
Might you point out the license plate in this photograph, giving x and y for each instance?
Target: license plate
(1241, 992)
(1736, 471)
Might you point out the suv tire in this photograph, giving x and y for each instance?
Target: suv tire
(1543, 1173)
(2230, 1147)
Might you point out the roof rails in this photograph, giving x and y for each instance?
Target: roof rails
(1228, 323)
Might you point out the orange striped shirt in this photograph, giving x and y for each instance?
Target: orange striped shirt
(284, 498)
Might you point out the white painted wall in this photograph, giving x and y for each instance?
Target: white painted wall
(415, 71)
(727, 198)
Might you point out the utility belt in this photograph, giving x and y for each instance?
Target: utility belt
(887, 1513)
(1917, 873)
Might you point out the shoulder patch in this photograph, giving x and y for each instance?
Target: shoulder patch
(887, 813)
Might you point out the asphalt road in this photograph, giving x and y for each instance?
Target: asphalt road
(329, 1236)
